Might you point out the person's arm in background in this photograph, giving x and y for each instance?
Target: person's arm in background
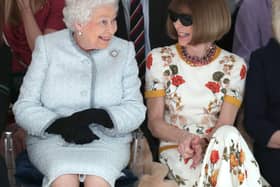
(265, 133)
(247, 33)
(5, 58)
(31, 27)
(274, 141)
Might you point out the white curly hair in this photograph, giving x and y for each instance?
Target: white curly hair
(80, 11)
(276, 19)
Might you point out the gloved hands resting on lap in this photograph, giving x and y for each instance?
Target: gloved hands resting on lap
(95, 115)
(75, 128)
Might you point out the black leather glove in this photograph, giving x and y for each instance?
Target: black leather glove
(72, 129)
(83, 135)
(94, 115)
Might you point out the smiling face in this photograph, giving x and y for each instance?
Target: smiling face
(98, 32)
(182, 21)
(184, 33)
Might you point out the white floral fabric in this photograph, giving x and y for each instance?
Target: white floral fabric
(193, 98)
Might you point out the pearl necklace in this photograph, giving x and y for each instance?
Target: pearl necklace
(198, 61)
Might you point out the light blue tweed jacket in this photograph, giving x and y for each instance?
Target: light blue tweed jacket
(63, 79)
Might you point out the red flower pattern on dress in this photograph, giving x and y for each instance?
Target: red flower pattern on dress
(214, 157)
(149, 61)
(243, 72)
(186, 160)
(177, 80)
(213, 86)
(209, 130)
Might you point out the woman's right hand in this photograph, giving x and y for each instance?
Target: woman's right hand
(199, 146)
(192, 147)
(72, 130)
(185, 144)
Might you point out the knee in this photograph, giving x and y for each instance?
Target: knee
(69, 180)
(95, 181)
(228, 132)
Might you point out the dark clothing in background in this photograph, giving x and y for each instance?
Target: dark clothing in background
(262, 107)
(5, 69)
(157, 23)
(158, 37)
(3, 173)
(5, 57)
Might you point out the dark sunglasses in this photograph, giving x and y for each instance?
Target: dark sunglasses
(185, 19)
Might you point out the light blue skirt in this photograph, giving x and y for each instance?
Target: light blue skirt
(55, 157)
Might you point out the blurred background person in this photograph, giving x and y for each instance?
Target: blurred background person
(24, 21)
(251, 33)
(233, 5)
(226, 41)
(4, 103)
(151, 18)
(262, 102)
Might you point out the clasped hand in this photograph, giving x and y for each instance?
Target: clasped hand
(75, 128)
(192, 147)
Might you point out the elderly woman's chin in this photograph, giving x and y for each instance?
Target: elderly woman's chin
(100, 45)
(103, 42)
(97, 43)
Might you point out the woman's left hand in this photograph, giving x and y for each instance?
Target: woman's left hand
(199, 146)
(185, 144)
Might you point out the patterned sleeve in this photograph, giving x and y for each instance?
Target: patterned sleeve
(154, 85)
(235, 90)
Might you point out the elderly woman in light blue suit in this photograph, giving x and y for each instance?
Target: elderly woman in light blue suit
(80, 98)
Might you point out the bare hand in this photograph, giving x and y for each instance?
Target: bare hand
(185, 145)
(24, 5)
(199, 146)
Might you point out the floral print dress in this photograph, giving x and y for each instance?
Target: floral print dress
(193, 98)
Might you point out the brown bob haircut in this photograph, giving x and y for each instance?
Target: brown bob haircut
(211, 19)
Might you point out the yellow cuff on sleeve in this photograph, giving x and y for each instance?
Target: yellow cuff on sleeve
(154, 93)
(232, 100)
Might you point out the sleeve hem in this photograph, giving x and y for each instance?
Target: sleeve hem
(232, 100)
(156, 93)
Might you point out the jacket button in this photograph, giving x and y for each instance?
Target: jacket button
(85, 61)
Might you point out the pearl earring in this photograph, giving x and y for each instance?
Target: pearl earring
(80, 33)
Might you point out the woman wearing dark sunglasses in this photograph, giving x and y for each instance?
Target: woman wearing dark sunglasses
(194, 90)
